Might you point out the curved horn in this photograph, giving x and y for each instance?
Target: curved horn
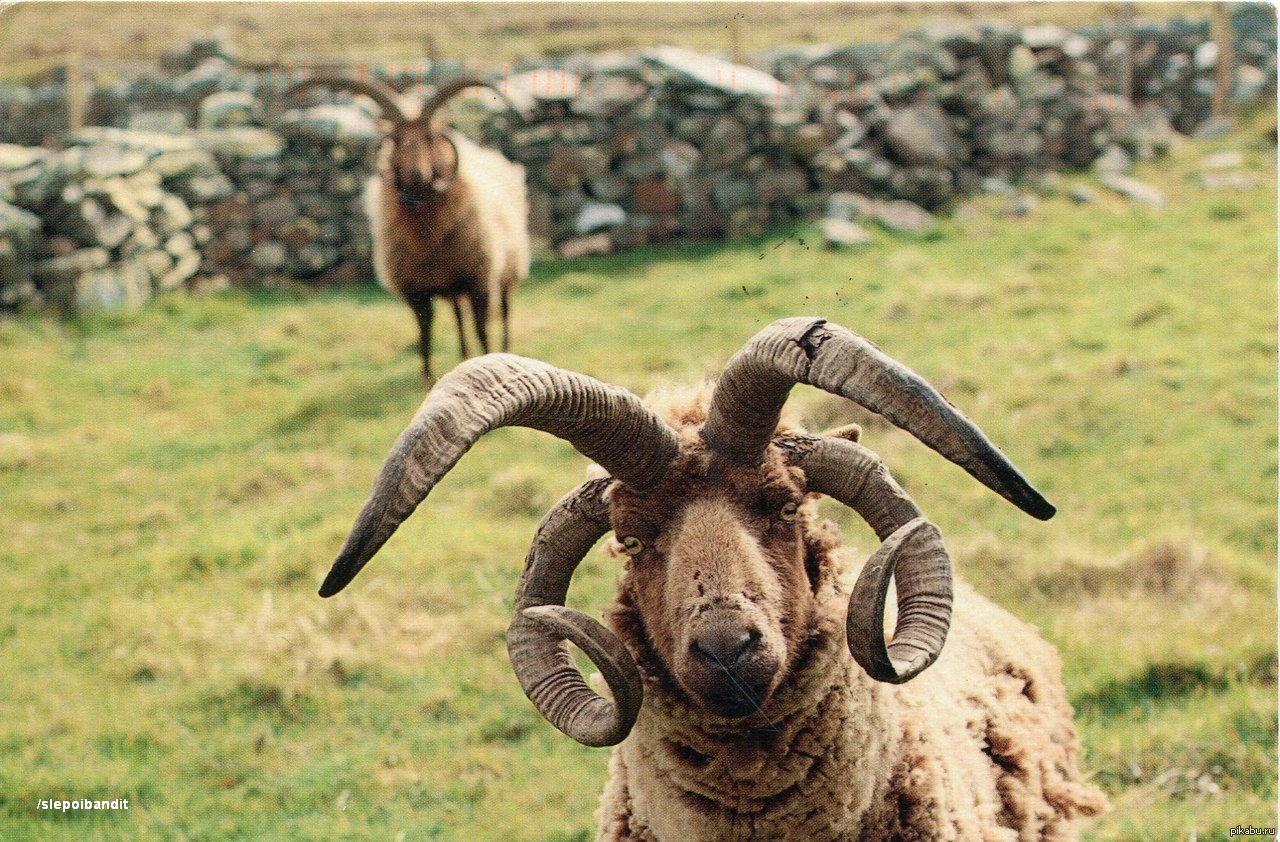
(748, 400)
(376, 90)
(855, 476)
(605, 423)
(451, 88)
(535, 637)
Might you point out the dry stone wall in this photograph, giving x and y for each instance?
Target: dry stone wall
(194, 174)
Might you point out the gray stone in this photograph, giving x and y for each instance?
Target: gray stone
(773, 185)
(275, 212)
(81, 260)
(172, 216)
(107, 161)
(922, 135)
(241, 142)
(1234, 180)
(183, 162)
(730, 193)
(205, 189)
(595, 216)
(717, 74)
(125, 285)
(902, 216)
(1133, 190)
(269, 256)
(576, 247)
(842, 233)
(843, 205)
(1044, 36)
(1223, 160)
(165, 121)
(184, 269)
(227, 109)
(1022, 62)
(13, 157)
(346, 124)
(1113, 160)
(180, 244)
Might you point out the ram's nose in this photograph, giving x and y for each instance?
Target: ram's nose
(726, 644)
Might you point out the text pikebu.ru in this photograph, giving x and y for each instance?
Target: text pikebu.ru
(84, 804)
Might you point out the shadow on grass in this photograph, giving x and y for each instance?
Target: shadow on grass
(549, 271)
(1171, 680)
(361, 399)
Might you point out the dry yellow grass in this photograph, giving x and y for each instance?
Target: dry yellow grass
(485, 33)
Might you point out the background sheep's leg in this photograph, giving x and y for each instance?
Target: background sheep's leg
(504, 303)
(463, 346)
(423, 308)
(480, 314)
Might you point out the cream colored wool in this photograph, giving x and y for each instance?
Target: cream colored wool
(979, 748)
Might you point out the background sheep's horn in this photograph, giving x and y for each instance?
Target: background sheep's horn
(450, 88)
(376, 90)
(912, 545)
(606, 424)
(535, 639)
(748, 400)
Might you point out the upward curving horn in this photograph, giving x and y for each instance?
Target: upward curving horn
(450, 88)
(748, 400)
(605, 423)
(741, 421)
(376, 90)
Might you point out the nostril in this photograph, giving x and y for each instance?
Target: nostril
(727, 647)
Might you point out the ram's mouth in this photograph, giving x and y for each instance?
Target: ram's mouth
(732, 693)
(736, 703)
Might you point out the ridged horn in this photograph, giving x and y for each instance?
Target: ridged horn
(535, 638)
(912, 546)
(606, 424)
(450, 88)
(384, 95)
(748, 400)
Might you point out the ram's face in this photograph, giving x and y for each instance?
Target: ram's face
(717, 576)
(419, 162)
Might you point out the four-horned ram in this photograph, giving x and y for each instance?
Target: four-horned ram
(449, 218)
(739, 711)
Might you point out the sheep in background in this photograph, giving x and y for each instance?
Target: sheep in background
(449, 218)
(759, 696)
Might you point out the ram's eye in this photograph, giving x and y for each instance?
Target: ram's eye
(632, 545)
(789, 511)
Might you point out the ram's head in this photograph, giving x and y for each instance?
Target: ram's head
(417, 155)
(722, 558)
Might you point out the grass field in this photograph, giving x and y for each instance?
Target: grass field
(488, 33)
(175, 482)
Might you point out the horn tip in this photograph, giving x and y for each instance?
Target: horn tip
(334, 582)
(1039, 508)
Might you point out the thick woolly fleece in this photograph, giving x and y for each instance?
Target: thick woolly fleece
(980, 748)
(479, 234)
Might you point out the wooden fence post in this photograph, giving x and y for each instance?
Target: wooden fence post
(1224, 72)
(73, 67)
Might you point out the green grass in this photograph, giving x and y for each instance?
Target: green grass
(174, 483)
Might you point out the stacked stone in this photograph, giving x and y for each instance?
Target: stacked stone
(645, 149)
(295, 210)
(200, 172)
(115, 216)
(128, 213)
